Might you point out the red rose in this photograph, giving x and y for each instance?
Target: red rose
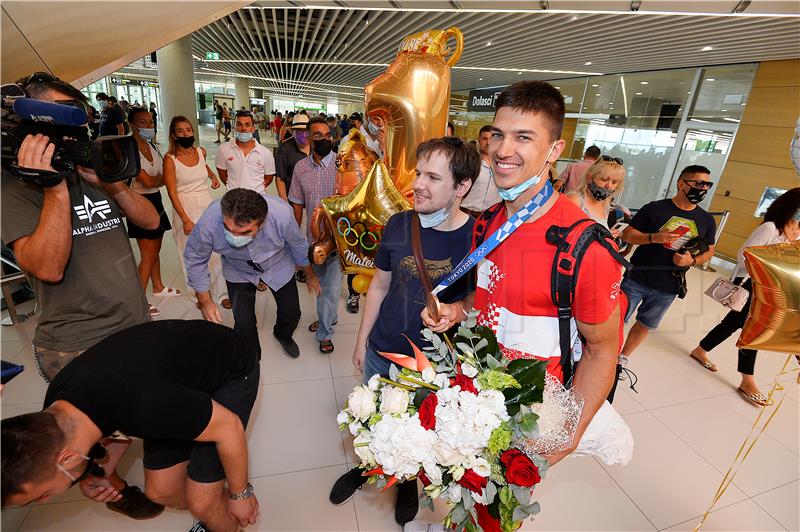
(473, 481)
(519, 469)
(427, 409)
(465, 382)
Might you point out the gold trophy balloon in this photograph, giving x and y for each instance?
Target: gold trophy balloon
(411, 99)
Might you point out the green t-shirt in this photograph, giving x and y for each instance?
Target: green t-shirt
(100, 292)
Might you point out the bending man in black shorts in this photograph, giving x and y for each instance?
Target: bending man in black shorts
(185, 387)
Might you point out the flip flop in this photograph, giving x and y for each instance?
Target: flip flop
(154, 311)
(314, 327)
(757, 399)
(168, 292)
(710, 366)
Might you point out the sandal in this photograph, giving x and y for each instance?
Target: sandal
(757, 398)
(326, 346)
(154, 311)
(710, 366)
(168, 292)
(314, 327)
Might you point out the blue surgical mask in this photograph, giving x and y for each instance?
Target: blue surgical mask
(244, 137)
(237, 241)
(511, 194)
(147, 133)
(433, 219)
(372, 128)
(797, 216)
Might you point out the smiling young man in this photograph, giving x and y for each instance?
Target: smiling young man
(245, 162)
(513, 290)
(446, 168)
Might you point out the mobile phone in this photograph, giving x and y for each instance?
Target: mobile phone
(8, 371)
(619, 226)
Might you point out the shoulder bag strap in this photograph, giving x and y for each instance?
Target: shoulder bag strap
(419, 260)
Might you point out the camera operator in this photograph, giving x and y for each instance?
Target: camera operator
(70, 240)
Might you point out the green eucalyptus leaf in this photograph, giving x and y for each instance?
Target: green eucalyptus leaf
(522, 494)
(533, 508)
(491, 491)
(519, 514)
(466, 499)
(458, 514)
(506, 496)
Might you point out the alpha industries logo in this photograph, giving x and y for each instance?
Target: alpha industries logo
(89, 209)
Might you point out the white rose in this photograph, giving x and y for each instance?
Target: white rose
(393, 400)
(445, 454)
(363, 451)
(342, 418)
(428, 374)
(481, 467)
(441, 380)
(361, 403)
(433, 472)
(355, 427)
(469, 370)
(374, 383)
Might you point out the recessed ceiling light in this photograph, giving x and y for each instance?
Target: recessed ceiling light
(574, 18)
(706, 49)
(480, 79)
(518, 73)
(644, 83)
(711, 79)
(597, 94)
(724, 110)
(595, 85)
(689, 92)
(743, 104)
(489, 43)
(558, 87)
(587, 63)
(638, 94)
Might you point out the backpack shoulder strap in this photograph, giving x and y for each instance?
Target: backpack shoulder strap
(572, 243)
(483, 222)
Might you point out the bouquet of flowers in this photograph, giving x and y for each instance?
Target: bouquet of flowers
(459, 417)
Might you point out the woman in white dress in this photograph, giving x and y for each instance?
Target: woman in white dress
(187, 176)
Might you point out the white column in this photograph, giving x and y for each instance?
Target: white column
(242, 88)
(176, 82)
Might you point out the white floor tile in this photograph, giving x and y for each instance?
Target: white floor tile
(11, 518)
(667, 480)
(784, 426)
(745, 516)
(782, 504)
(92, 516)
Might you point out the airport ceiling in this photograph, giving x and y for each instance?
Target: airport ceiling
(314, 47)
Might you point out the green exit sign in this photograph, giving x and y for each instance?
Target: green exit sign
(212, 56)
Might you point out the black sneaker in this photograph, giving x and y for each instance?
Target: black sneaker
(347, 485)
(135, 504)
(289, 346)
(352, 304)
(199, 527)
(407, 505)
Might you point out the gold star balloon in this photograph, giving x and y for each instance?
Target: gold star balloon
(774, 320)
(358, 218)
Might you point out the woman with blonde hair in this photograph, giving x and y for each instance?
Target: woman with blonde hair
(186, 175)
(602, 184)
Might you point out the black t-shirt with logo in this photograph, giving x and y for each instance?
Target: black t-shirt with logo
(401, 308)
(154, 380)
(652, 263)
(110, 118)
(100, 292)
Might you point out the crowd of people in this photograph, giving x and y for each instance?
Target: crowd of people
(186, 387)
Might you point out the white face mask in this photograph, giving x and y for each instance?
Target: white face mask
(433, 219)
(511, 194)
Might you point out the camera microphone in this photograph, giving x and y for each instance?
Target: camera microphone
(53, 113)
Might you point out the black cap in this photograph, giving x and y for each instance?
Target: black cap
(356, 116)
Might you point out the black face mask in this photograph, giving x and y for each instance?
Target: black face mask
(323, 147)
(185, 142)
(599, 193)
(696, 195)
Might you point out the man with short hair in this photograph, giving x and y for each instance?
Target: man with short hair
(313, 179)
(112, 120)
(260, 245)
(370, 133)
(185, 387)
(245, 162)
(661, 229)
(573, 174)
(484, 192)
(291, 152)
(70, 240)
(336, 131)
(526, 140)
(446, 169)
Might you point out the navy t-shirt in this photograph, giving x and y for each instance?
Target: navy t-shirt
(400, 310)
(652, 263)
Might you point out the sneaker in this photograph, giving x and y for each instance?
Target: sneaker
(622, 360)
(199, 527)
(289, 346)
(352, 304)
(135, 504)
(407, 505)
(347, 485)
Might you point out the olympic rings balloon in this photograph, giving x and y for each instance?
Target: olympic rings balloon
(359, 234)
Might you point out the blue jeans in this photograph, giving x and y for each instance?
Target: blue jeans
(330, 280)
(374, 364)
(652, 303)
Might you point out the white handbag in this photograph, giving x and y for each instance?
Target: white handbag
(728, 293)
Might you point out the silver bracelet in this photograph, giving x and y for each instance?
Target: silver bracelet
(246, 493)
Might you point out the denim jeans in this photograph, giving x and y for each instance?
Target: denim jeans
(374, 364)
(330, 280)
(652, 303)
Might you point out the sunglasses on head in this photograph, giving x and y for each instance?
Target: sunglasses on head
(39, 77)
(699, 183)
(611, 159)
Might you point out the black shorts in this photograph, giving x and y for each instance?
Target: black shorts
(204, 463)
(134, 231)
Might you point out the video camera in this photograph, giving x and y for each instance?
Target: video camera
(113, 158)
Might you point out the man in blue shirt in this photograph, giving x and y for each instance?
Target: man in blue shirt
(260, 244)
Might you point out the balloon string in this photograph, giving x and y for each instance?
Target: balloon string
(727, 480)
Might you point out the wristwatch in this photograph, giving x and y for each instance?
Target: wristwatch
(246, 493)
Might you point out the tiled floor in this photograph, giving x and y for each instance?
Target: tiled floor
(688, 425)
